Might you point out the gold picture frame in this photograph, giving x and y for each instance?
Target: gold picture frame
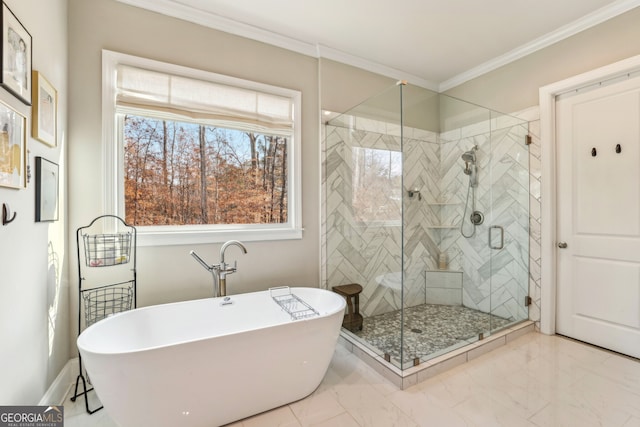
(13, 148)
(44, 101)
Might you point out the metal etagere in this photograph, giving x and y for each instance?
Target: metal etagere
(106, 278)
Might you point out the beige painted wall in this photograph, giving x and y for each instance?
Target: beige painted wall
(34, 280)
(343, 87)
(515, 86)
(168, 273)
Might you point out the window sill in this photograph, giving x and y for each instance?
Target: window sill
(148, 236)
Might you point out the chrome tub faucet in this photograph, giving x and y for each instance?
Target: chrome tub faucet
(220, 271)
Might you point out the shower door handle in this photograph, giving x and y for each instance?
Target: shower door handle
(491, 237)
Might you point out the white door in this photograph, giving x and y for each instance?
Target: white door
(598, 202)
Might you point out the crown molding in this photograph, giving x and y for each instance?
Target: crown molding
(597, 17)
(178, 10)
(175, 9)
(374, 67)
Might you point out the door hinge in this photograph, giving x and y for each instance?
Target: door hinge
(527, 140)
(527, 301)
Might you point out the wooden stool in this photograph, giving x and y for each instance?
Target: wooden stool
(353, 319)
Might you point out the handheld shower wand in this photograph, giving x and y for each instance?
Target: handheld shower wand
(471, 169)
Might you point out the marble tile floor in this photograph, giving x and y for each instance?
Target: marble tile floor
(535, 380)
(429, 328)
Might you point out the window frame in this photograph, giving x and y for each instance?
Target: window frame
(113, 164)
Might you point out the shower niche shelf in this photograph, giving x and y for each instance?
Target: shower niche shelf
(443, 203)
(443, 207)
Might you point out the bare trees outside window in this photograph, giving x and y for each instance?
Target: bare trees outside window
(179, 173)
(377, 185)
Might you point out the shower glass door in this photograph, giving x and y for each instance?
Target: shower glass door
(466, 159)
(509, 227)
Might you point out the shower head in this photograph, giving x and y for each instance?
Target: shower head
(469, 156)
(470, 167)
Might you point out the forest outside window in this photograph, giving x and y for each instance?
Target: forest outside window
(199, 157)
(377, 186)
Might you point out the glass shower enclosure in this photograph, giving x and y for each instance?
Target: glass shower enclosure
(426, 206)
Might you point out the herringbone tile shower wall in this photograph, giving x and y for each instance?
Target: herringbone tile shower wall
(366, 252)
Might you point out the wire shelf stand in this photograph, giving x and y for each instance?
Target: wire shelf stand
(106, 278)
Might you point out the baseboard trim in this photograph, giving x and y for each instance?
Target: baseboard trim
(59, 389)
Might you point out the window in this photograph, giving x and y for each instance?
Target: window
(178, 173)
(196, 157)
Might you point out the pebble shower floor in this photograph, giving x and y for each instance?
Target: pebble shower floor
(428, 329)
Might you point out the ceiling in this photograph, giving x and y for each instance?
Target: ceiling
(436, 44)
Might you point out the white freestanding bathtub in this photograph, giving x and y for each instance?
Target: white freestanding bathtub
(212, 361)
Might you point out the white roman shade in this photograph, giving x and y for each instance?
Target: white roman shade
(184, 98)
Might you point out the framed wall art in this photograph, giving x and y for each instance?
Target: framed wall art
(16, 56)
(13, 149)
(46, 190)
(44, 100)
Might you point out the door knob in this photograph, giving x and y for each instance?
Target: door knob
(562, 245)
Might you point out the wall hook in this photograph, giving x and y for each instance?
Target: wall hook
(618, 148)
(593, 152)
(6, 213)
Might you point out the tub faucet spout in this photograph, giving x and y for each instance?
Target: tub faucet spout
(224, 247)
(224, 268)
